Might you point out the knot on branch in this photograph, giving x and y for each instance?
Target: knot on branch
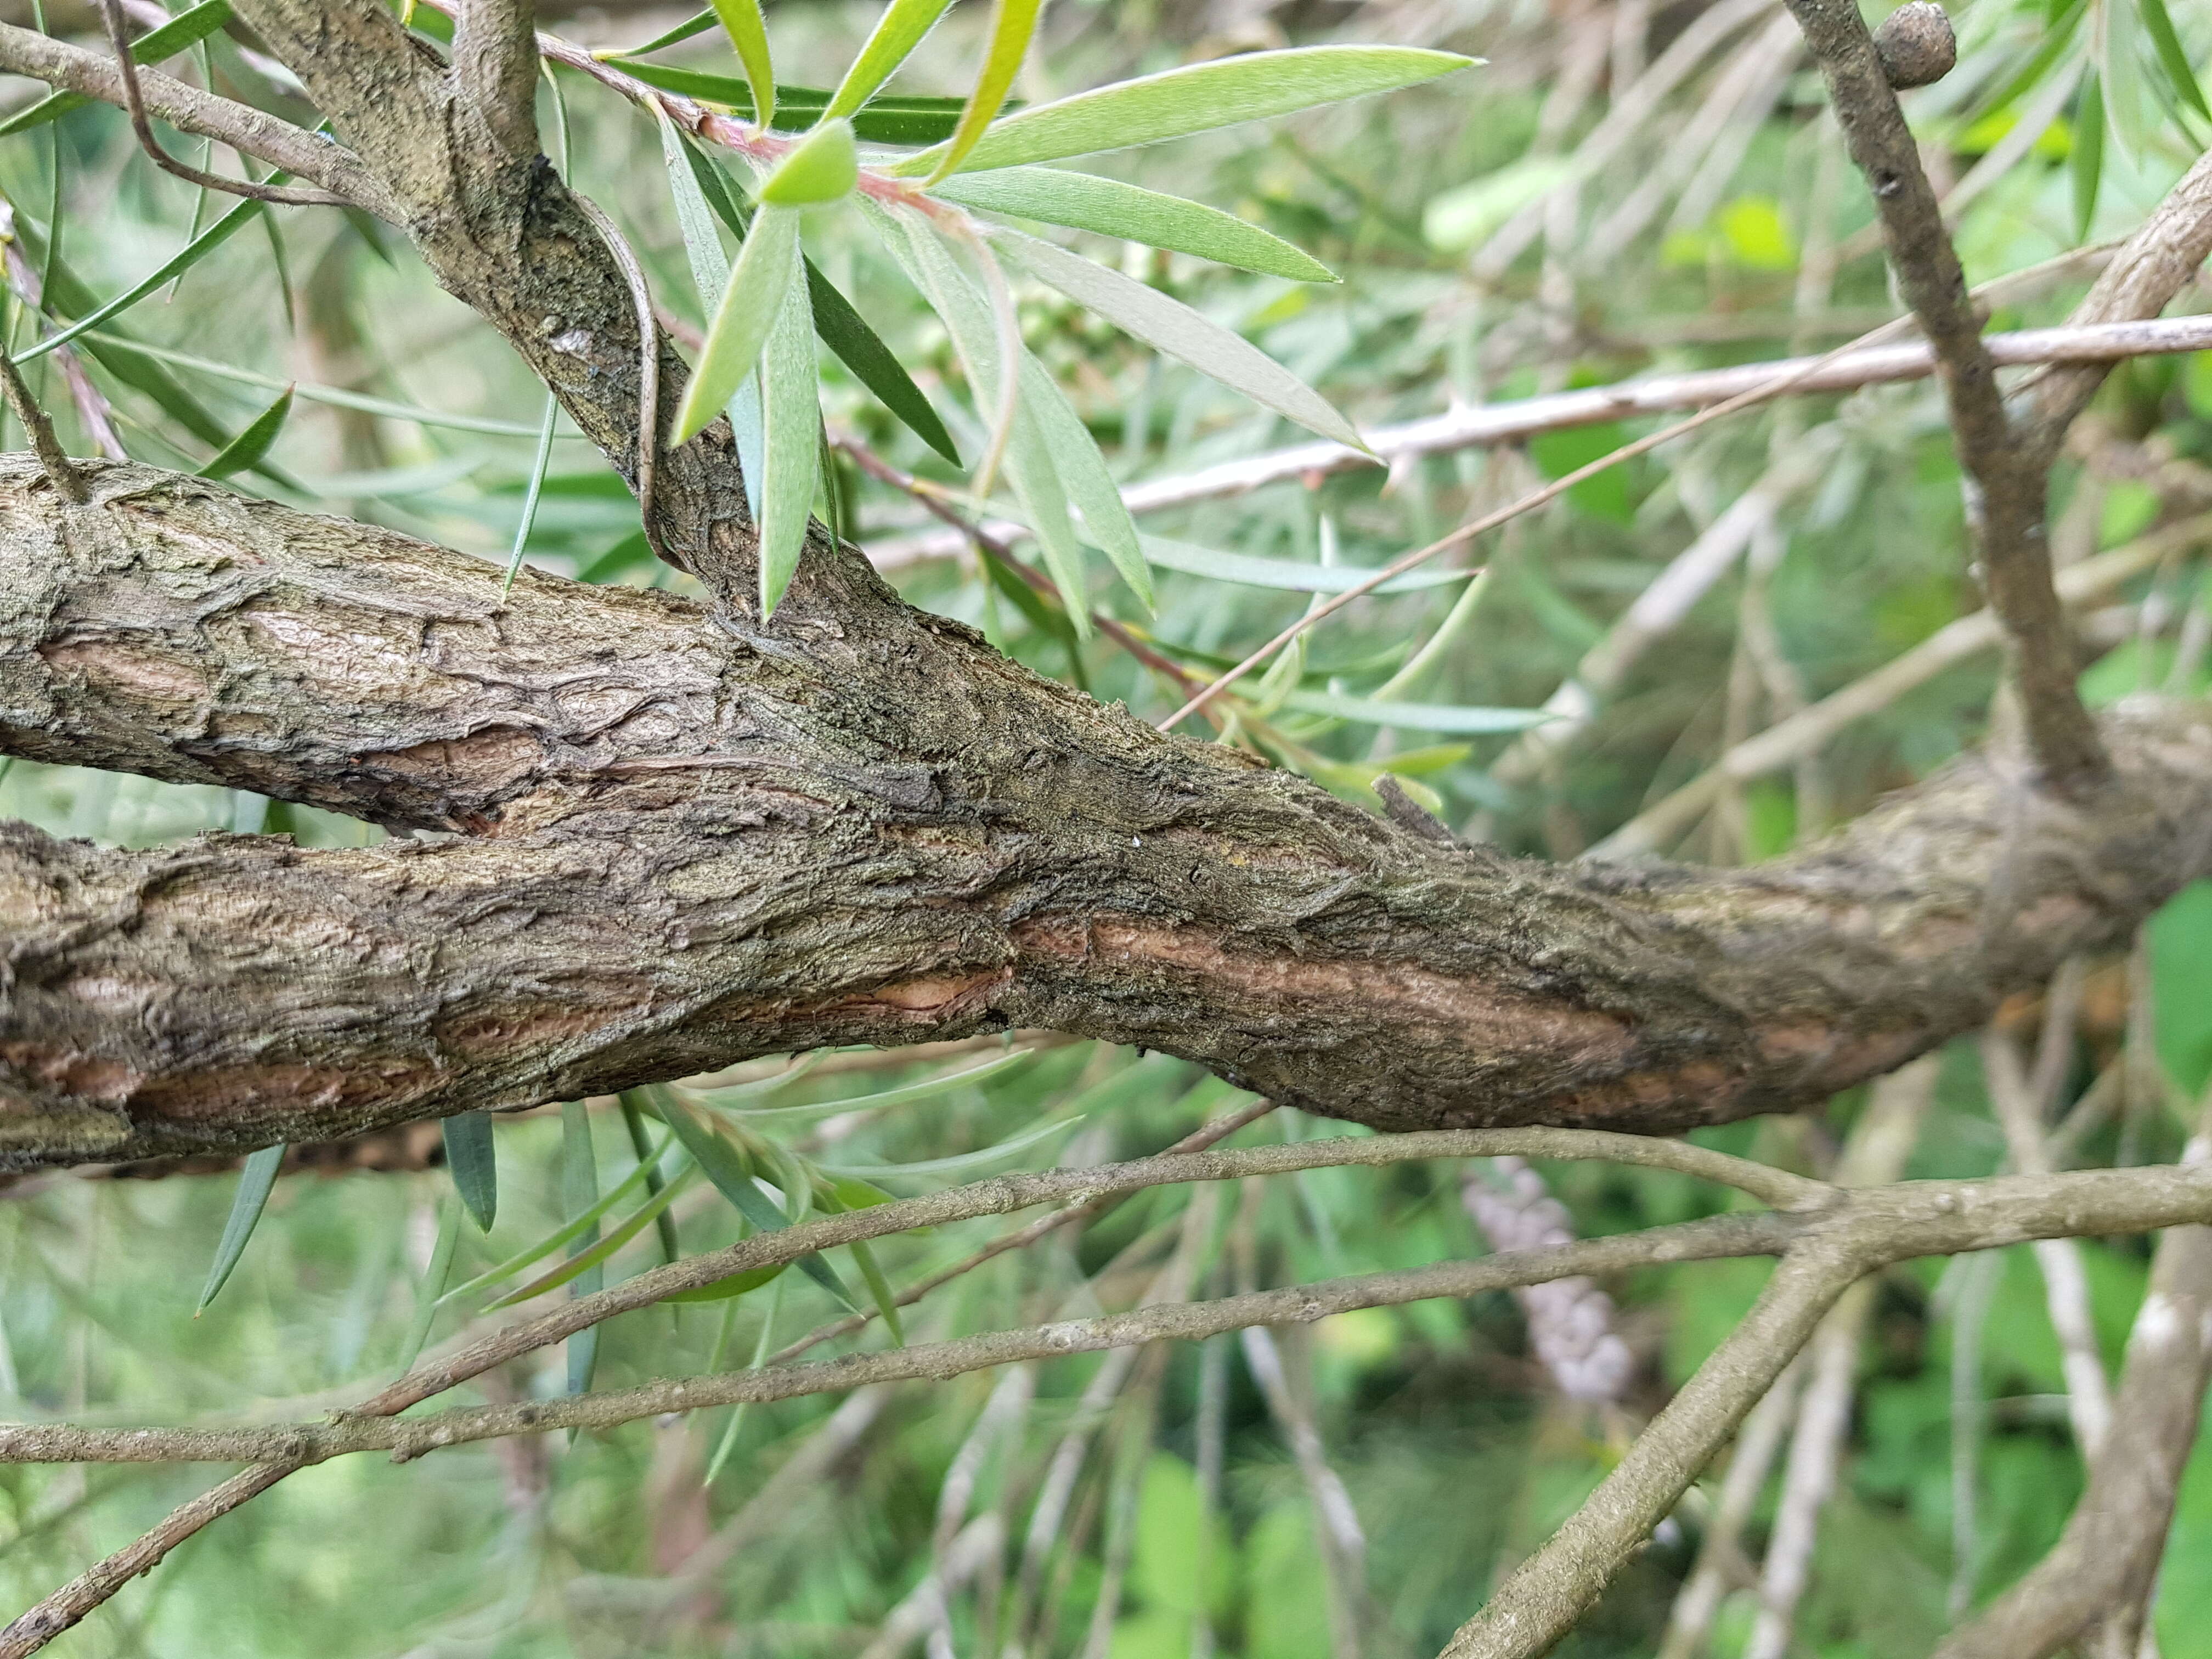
(1916, 45)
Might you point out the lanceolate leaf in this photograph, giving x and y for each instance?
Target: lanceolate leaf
(254, 1182)
(183, 260)
(1013, 22)
(1249, 571)
(897, 32)
(1197, 98)
(2159, 25)
(590, 1256)
(861, 349)
(1082, 472)
(473, 1163)
(579, 1190)
(792, 411)
(967, 318)
(2086, 162)
(752, 301)
(702, 195)
(1084, 201)
(1418, 716)
(185, 30)
(885, 121)
(1173, 327)
(909, 1094)
(735, 1182)
(748, 33)
(252, 442)
(698, 23)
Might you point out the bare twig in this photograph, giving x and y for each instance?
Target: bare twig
(61, 471)
(2010, 479)
(134, 101)
(2107, 1558)
(1488, 425)
(1952, 644)
(496, 58)
(292, 149)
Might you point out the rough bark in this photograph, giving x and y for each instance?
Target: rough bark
(682, 840)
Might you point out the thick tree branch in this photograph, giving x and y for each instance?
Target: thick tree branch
(690, 846)
(264, 137)
(2010, 479)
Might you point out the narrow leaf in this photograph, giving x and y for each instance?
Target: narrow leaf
(539, 463)
(698, 23)
(648, 1165)
(702, 194)
(1418, 716)
(909, 1095)
(861, 349)
(589, 1254)
(1083, 474)
(1247, 570)
(2085, 162)
(473, 1163)
(752, 301)
(879, 1290)
(896, 34)
(1084, 201)
(736, 1284)
(1013, 24)
(791, 410)
(254, 1181)
(185, 30)
(959, 1161)
(822, 168)
(431, 1292)
(762, 1344)
(909, 121)
(1196, 98)
(735, 1182)
(748, 33)
(579, 1190)
(2159, 25)
(1170, 326)
(577, 1225)
(183, 260)
(252, 441)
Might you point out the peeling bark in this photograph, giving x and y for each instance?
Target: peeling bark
(676, 841)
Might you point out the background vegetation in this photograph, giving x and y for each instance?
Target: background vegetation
(1500, 234)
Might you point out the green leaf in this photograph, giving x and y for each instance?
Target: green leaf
(896, 34)
(1172, 327)
(861, 349)
(1084, 201)
(1246, 570)
(751, 302)
(181, 32)
(2086, 160)
(1013, 24)
(1083, 473)
(254, 1181)
(879, 1290)
(252, 441)
(907, 1095)
(591, 1254)
(1196, 98)
(702, 195)
(473, 1163)
(698, 23)
(885, 121)
(748, 31)
(822, 168)
(183, 260)
(430, 1292)
(1418, 716)
(1028, 464)
(791, 410)
(637, 1179)
(648, 1165)
(727, 1170)
(736, 1284)
(579, 1190)
(539, 463)
(959, 1163)
(2159, 25)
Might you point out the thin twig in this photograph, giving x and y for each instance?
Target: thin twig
(2009, 478)
(134, 101)
(61, 471)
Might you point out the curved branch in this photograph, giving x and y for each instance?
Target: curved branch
(202, 114)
